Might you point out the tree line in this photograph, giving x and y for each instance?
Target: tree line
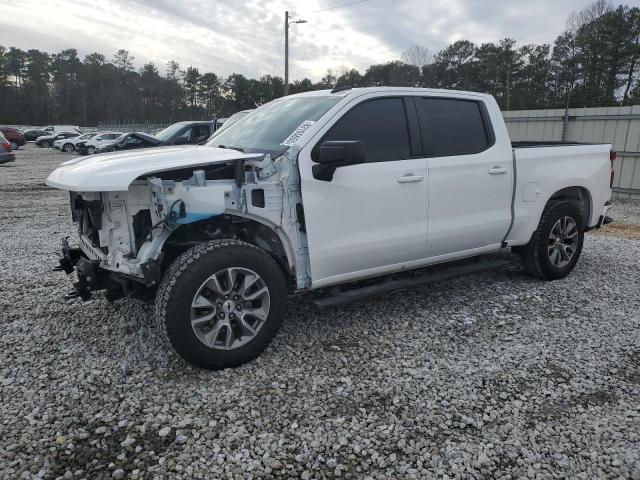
(594, 62)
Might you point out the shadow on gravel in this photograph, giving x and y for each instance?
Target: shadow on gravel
(553, 410)
(93, 452)
(630, 371)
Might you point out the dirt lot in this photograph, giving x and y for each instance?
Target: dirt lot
(492, 376)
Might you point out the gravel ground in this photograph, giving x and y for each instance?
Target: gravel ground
(493, 376)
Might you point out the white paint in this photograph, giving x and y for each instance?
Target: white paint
(115, 172)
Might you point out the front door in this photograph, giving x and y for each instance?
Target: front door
(372, 215)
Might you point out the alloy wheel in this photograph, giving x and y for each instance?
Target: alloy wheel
(563, 242)
(230, 308)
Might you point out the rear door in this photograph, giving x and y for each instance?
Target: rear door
(373, 215)
(470, 176)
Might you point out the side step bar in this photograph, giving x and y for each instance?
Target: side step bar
(343, 297)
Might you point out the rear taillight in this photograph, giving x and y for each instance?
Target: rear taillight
(6, 145)
(612, 156)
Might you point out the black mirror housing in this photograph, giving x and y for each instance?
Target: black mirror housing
(337, 153)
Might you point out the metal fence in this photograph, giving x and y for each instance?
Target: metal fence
(619, 126)
(131, 127)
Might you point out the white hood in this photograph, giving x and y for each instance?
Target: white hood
(114, 172)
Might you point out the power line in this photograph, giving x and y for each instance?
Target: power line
(341, 6)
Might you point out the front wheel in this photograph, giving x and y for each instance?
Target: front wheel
(555, 247)
(67, 147)
(91, 150)
(221, 303)
(45, 144)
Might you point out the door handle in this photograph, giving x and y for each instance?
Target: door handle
(408, 178)
(497, 170)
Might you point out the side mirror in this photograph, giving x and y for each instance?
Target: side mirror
(335, 154)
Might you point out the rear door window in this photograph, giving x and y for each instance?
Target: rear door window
(381, 124)
(452, 127)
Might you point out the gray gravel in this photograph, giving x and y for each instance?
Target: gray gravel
(626, 210)
(493, 376)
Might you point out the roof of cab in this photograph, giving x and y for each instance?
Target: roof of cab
(364, 90)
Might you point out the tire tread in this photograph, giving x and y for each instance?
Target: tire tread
(531, 253)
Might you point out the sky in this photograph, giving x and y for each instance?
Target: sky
(247, 36)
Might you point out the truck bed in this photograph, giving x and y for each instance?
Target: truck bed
(544, 168)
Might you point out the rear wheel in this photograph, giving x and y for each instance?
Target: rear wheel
(67, 147)
(221, 303)
(555, 247)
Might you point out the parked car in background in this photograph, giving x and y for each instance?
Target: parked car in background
(187, 133)
(69, 144)
(88, 147)
(31, 134)
(47, 140)
(129, 141)
(50, 129)
(6, 153)
(14, 136)
(181, 133)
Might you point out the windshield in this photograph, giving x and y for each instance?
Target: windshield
(233, 119)
(169, 132)
(265, 129)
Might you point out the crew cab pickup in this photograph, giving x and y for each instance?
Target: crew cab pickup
(316, 190)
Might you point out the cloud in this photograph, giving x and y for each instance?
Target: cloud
(227, 36)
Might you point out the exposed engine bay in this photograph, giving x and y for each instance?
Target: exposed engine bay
(132, 235)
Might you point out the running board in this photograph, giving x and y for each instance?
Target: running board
(342, 297)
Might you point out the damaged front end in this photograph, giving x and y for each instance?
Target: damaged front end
(126, 237)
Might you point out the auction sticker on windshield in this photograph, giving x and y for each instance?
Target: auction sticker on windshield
(297, 133)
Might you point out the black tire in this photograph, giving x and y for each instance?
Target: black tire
(91, 150)
(68, 147)
(183, 279)
(44, 144)
(535, 254)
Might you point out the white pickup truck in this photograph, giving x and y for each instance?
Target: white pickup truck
(320, 189)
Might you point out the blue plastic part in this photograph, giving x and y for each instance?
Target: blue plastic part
(195, 217)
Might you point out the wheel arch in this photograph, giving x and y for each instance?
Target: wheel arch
(577, 195)
(246, 227)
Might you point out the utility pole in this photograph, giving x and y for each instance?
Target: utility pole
(508, 86)
(286, 53)
(286, 48)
